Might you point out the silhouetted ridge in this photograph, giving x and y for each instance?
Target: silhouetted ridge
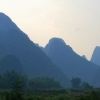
(69, 62)
(84, 57)
(55, 42)
(6, 23)
(34, 61)
(56, 39)
(96, 56)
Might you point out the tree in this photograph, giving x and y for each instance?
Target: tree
(76, 82)
(43, 83)
(11, 77)
(85, 85)
(17, 91)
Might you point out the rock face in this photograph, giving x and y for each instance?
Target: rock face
(96, 56)
(34, 61)
(68, 61)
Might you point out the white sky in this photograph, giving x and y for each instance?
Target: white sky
(76, 21)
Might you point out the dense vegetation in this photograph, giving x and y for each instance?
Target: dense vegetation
(18, 52)
(8, 79)
(14, 86)
(17, 93)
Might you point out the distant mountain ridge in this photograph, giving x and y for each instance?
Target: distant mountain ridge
(52, 40)
(96, 60)
(96, 56)
(34, 61)
(84, 57)
(69, 62)
(6, 23)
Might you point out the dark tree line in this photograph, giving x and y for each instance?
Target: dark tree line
(8, 80)
(43, 83)
(78, 84)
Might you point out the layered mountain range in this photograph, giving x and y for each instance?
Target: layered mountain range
(56, 60)
(96, 60)
(69, 62)
(96, 56)
(34, 61)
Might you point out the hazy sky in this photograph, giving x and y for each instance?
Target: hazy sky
(76, 21)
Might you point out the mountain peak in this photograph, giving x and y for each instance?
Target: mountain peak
(84, 57)
(4, 17)
(56, 39)
(6, 23)
(2, 14)
(96, 56)
(57, 44)
(97, 48)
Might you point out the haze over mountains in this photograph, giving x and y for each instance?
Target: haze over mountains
(96, 60)
(34, 61)
(57, 60)
(68, 61)
(96, 56)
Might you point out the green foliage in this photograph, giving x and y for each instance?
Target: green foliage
(49, 95)
(16, 93)
(76, 82)
(17, 87)
(85, 85)
(10, 77)
(91, 95)
(43, 83)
